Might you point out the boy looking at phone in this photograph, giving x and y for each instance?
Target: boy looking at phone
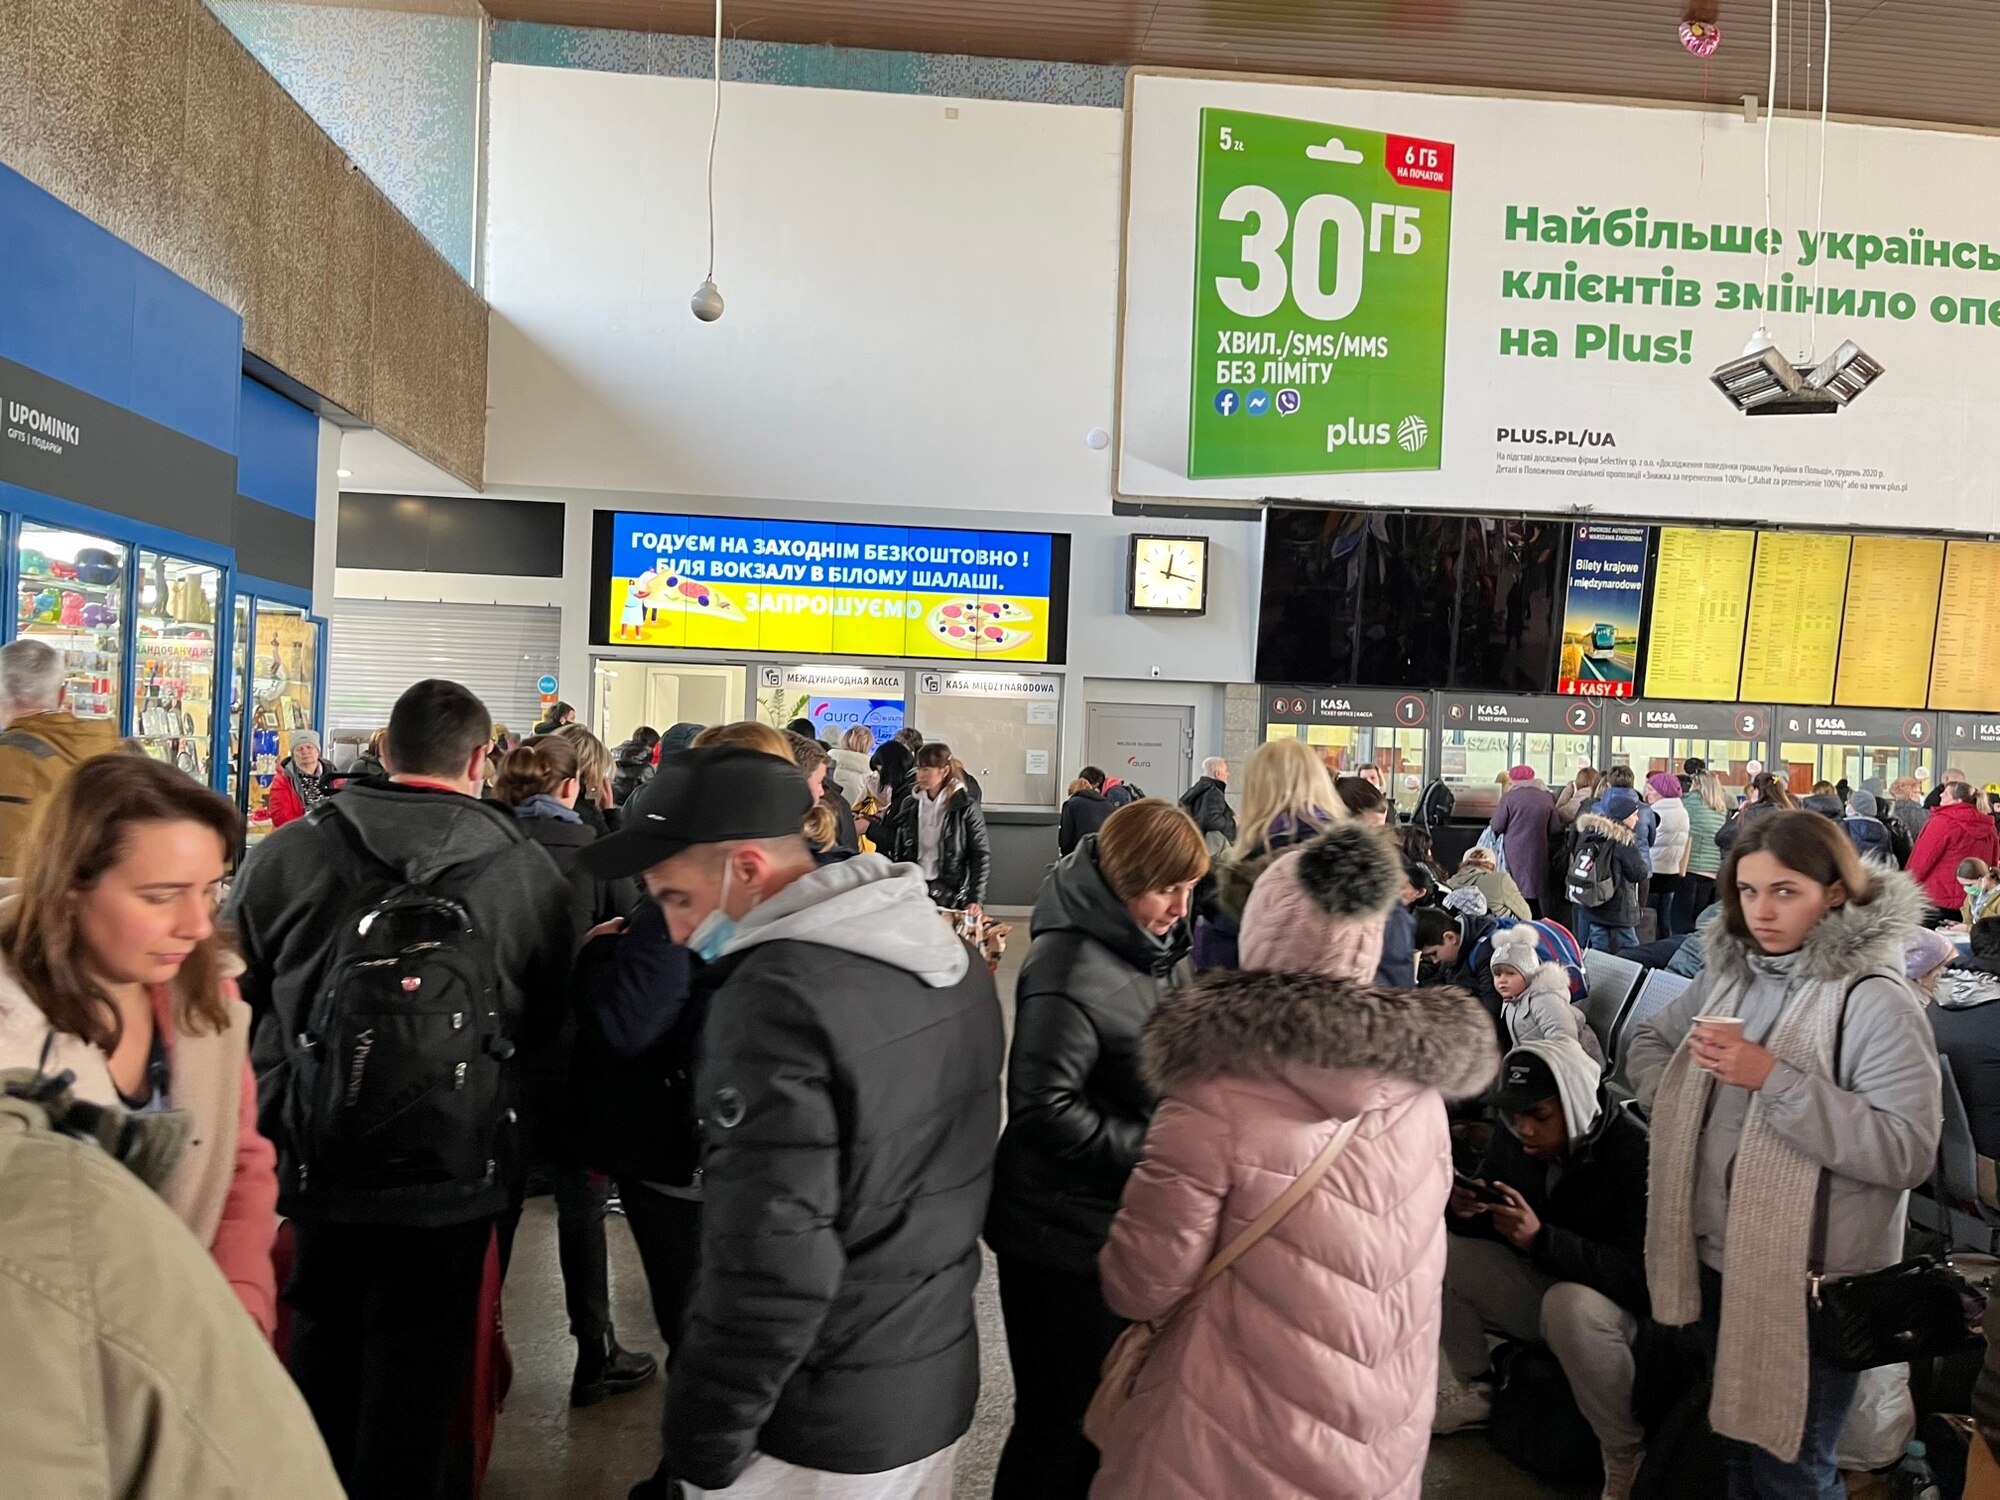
(1548, 1243)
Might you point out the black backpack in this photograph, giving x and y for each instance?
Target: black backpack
(1535, 1423)
(1435, 805)
(396, 1082)
(1592, 877)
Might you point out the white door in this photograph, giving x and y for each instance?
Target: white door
(1150, 745)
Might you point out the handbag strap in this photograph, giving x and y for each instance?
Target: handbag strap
(1271, 1217)
(1823, 1189)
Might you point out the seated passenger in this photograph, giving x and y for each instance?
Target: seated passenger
(1503, 897)
(1981, 884)
(1560, 1256)
(1534, 996)
(1967, 1026)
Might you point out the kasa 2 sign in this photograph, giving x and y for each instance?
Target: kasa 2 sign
(829, 589)
(1319, 298)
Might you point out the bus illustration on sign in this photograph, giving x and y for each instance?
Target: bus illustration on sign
(1603, 640)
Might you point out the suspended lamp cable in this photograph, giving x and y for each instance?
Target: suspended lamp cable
(1770, 112)
(707, 301)
(1819, 210)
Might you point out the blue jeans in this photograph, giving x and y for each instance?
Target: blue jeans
(1612, 939)
(1757, 1475)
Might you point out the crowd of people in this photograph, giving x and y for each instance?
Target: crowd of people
(1297, 1125)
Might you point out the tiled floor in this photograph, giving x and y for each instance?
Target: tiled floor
(544, 1451)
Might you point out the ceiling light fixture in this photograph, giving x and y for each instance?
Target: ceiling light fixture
(1761, 381)
(706, 302)
(343, 473)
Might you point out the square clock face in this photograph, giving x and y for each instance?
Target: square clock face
(1167, 575)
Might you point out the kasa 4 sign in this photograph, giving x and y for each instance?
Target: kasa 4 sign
(1321, 267)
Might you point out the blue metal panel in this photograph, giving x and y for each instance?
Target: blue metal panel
(277, 593)
(278, 461)
(187, 357)
(83, 307)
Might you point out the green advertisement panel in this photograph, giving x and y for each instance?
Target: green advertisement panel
(1321, 255)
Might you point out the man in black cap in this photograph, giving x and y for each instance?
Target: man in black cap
(850, 1094)
(1549, 1245)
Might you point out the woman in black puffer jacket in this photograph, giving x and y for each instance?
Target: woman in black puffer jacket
(540, 781)
(941, 828)
(1109, 927)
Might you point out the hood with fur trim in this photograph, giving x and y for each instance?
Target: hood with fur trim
(1597, 823)
(1551, 980)
(1261, 1024)
(1849, 941)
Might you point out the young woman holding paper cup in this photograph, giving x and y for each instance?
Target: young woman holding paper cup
(1800, 1055)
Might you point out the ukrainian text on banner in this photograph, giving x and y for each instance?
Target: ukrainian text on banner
(832, 589)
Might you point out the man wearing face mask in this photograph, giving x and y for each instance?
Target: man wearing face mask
(849, 1087)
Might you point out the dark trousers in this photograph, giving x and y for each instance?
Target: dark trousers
(1665, 896)
(1755, 1474)
(580, 1201)
(667, 1231)
(1696, 895)
(383, 1320)
(1058, 1332)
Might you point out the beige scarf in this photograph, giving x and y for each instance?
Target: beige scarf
(1762, 1355)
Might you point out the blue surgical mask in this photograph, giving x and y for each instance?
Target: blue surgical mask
(713, 932)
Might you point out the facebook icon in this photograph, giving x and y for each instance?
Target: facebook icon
(1226, 403)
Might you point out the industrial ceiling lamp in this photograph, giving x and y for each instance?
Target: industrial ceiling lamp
(706, 303)
(1761, 381)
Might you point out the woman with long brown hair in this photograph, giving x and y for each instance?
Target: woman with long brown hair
(942, 830)
(112, 968)
(1794, 1097)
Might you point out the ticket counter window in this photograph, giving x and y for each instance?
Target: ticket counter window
(1803, 764)
(1399, 754)
(1728, 760)
(1479, 757)
(660, 695)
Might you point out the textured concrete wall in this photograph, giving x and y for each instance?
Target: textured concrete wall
(151, 118)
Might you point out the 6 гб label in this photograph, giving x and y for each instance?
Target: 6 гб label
(1321, 255)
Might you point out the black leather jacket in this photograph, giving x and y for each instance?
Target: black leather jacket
(965, 857)
(1077, 1105)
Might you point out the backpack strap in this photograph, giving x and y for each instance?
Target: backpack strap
(32, 744)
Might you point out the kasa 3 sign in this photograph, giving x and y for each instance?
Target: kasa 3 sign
(1403, 298)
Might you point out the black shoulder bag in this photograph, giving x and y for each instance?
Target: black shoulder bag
(1914, 1310)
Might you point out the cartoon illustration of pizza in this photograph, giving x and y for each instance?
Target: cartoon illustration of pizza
(980, 626)
(670, 591)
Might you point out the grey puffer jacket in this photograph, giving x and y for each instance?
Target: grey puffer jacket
(1874, 1128)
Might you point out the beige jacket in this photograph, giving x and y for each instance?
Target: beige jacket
(36, 756)
(128, 1370)
(226, 1187)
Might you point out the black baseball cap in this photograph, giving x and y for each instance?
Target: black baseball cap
(711, 796)
(1525, 1081)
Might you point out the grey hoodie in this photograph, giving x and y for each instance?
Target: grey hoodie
(867, 906)
(1874, 1128)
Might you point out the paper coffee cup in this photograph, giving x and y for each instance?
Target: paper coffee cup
(1719, 1028)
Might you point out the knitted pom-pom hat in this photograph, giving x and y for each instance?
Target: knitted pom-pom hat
(1320, 909)
(1514, 948)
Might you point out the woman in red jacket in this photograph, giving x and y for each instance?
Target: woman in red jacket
(1956, 830)
(111, 968)
(302, 782)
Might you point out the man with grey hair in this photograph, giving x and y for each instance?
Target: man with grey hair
(41, 743)
(1207, 802)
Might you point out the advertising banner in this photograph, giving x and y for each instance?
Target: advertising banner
(1367, 218)
(830, 588)
(1603, 260)
(1607, 587)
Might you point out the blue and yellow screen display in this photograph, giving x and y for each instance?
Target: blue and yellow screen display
(832, 589)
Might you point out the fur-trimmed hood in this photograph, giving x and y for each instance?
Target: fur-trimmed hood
(1263, 1024)
(1551, 980)
(1591, 822)
(1849, 941)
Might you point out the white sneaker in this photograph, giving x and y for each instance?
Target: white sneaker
(1621, 1470)
(1461, 1404)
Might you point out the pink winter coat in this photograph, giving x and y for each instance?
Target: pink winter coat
(1310, 1368)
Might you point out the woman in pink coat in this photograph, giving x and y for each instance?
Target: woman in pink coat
(1310, 1367)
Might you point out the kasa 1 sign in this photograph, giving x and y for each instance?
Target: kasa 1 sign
(1403, 298)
